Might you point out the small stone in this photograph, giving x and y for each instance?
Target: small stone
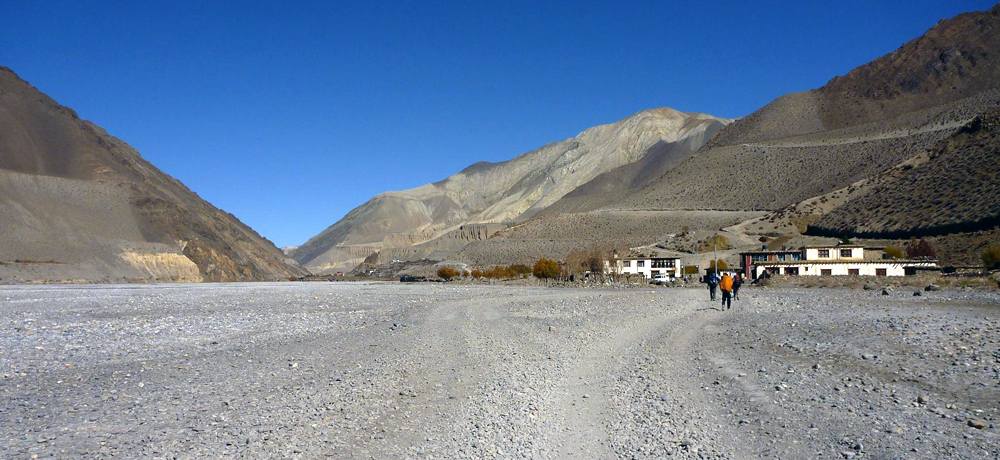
(917, 294)
(552, 328)
(885, 292)
(977, 424)
(586, 396)
(932, 287)
(922, 399)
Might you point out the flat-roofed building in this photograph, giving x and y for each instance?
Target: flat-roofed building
(648, 267)
(829, 261)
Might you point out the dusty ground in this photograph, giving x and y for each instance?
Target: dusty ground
(351, 370)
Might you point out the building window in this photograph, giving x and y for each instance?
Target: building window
(791, 270)
(640, 263)
(759, 257)
(880, 272)
(628, 263)
(826, 272)
(824, 253)
(853, 271)
(662, 263)
(795, 256)
(781, 257)
(845, 253)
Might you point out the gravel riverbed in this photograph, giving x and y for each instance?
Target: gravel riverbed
(388, 370)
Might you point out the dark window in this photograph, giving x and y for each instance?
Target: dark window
(825, 253)
(879, 272)
(628, 263)
(662, 263)
(791, 270)
(826, 272)
(853, 271)
(640, 263)
(845, 253)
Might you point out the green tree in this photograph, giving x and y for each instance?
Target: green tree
(545, 269)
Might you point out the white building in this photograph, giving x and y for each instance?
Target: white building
(829, 261)
(648, 267)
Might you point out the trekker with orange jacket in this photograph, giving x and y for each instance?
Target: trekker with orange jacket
(726, 285)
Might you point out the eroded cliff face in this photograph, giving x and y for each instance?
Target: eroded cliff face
(81, 205)
(509, 191)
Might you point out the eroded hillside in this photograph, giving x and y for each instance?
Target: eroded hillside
(509, 191)
(80, 205)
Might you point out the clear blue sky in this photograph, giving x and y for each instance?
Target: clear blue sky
(290, 114)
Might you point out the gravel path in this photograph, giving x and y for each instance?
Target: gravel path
(351, 370)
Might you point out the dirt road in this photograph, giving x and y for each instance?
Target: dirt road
(316, 370)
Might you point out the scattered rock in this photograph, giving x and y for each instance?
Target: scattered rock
(932, 287)
(977, 424)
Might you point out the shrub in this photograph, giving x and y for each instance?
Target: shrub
(920, 249)
(447, 273)
(713, 242)
(545, 269)
(477, 273)
(895, 252)
(991, 257)
(722, 264)
(520, 269)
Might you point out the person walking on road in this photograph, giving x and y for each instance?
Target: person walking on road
(737, 282)
(713, 280)
(726, 284)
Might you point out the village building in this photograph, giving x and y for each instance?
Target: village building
(648, 267)
(829, 261)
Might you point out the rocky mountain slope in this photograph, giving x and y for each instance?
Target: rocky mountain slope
(878, 115)
(510, 191)
(899, 146)
(77, 204)
(957, 189)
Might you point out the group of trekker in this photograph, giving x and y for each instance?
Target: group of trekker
(728, 284)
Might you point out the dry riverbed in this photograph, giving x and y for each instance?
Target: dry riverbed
(352, 370)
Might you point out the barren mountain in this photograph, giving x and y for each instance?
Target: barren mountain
(77, 204)
(878, 115)
(956, 189)
(510, 191)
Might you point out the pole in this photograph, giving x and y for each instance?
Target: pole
(715, 254)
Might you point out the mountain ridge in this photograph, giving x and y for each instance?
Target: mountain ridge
(87, 202)
(506, 191)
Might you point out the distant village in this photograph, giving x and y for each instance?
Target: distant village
(830, 260)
